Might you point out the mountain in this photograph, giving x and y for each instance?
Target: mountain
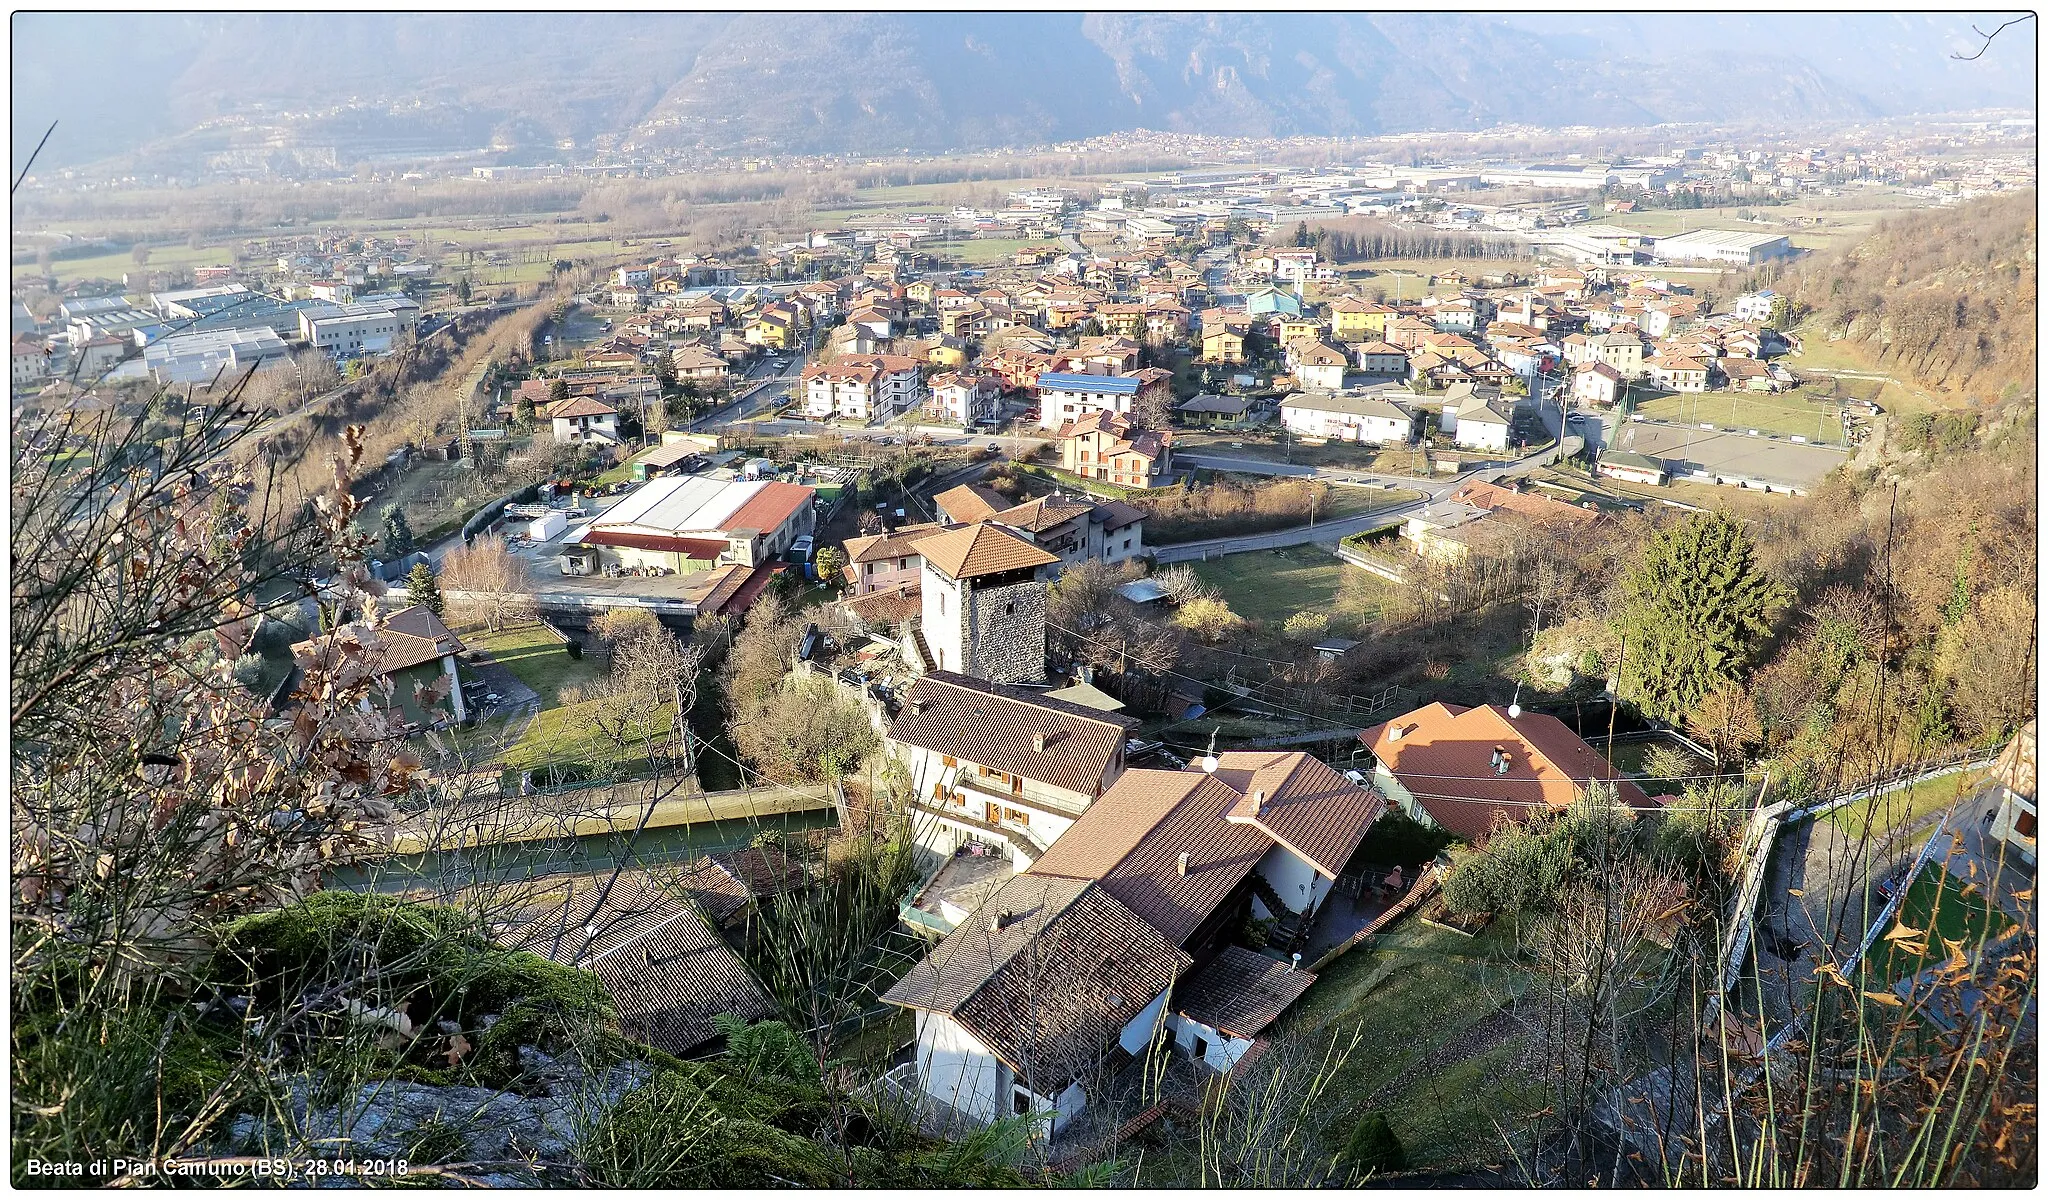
(173, 88)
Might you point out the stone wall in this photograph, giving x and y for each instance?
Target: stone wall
(1006, 633)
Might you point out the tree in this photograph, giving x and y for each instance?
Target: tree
(617, 626)
(831, 561)
(493, 580)
(1694, 608)
(1209, 618)
(423, 588)
(809, 730)
(1373, 1149)
(1306, 627)
(398, 539)
(558, 391)
(140, 254)
(462, 292)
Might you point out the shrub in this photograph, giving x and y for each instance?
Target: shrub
(1373, 1149)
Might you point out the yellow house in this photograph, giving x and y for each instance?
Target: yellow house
(947, 352)
(1355, 320)
(1294, 329)
(770, 331)
(1222, 346)
(920, 291)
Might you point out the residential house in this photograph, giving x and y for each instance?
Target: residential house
(1456, 316)
(881, 561)
(1348, 416)
(1468, 770)
(1066, 396)
(696, 363)
(1621, 350)
(963, 399)
(1596, 383)
(1382, 358)
(413, 651)
(998, 765)
(1318, 364)
(2012, 787)
(1215, 409)
(584, 419)
(1123, 933)
(772, 330)
(1482, 425)
(1222, 344)
(664, 966)
(1747, 374)
(1678, 374)
(1111, 447)
(29, 362)
(1355, 320)
(864, 387)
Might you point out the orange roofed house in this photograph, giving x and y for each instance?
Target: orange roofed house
(1123, 935)
(1463, 770)
(1111, 447)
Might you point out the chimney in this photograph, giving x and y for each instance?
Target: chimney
(1182, 865)
(1259, 801)
(1506, 761)
(1498, 754)
(997, 921)
(1395, 731)
(917, 706)
(1038, 742)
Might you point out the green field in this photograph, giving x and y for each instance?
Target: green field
(1272, 585)
(1415, 991)
(1948, 910)
(538, 658)
(1786, 415)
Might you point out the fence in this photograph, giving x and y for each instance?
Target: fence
(1382, 566)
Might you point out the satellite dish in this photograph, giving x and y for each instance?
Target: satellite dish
(1209, 763)
(1514, 710)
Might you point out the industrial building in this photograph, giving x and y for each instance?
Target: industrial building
(1723, 245)
(690, 523)
(198, 357)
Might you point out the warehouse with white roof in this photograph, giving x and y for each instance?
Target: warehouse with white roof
(690, 523)
(1722, 245)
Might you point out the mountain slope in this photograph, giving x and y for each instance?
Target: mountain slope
(525, 84)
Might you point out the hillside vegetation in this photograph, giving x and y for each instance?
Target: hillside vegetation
(1944, 296)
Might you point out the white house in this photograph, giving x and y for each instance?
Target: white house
(862, 387)
(1482, 426)
(1379, 358)
(583, 419)
(1120, 935)
(1317, 364)
(998, 765)
(1350, 417)
(1596, 383)
(964, 399)
(1065, 396)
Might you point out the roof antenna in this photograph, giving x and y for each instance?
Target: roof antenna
(1209, 761)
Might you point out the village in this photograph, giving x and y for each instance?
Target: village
(1068, 658)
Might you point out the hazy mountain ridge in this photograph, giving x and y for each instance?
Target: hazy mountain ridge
(884, 83)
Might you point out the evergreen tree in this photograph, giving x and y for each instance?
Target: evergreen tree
(462, 289)
(1373, 1149)
(424, 588)
(558, 391)
(1694, 608)
(398, 540)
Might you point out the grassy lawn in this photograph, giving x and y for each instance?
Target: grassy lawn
(569, 734)
(1899, 809)
(541, 662)
(1272, 585)
(1415, 990)
(1950, 911)
(1786, 415)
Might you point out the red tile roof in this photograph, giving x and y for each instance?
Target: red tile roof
(1444, 758)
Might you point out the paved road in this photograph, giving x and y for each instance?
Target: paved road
(1327, 533)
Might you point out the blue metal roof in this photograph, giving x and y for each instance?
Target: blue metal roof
(1115, 385)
